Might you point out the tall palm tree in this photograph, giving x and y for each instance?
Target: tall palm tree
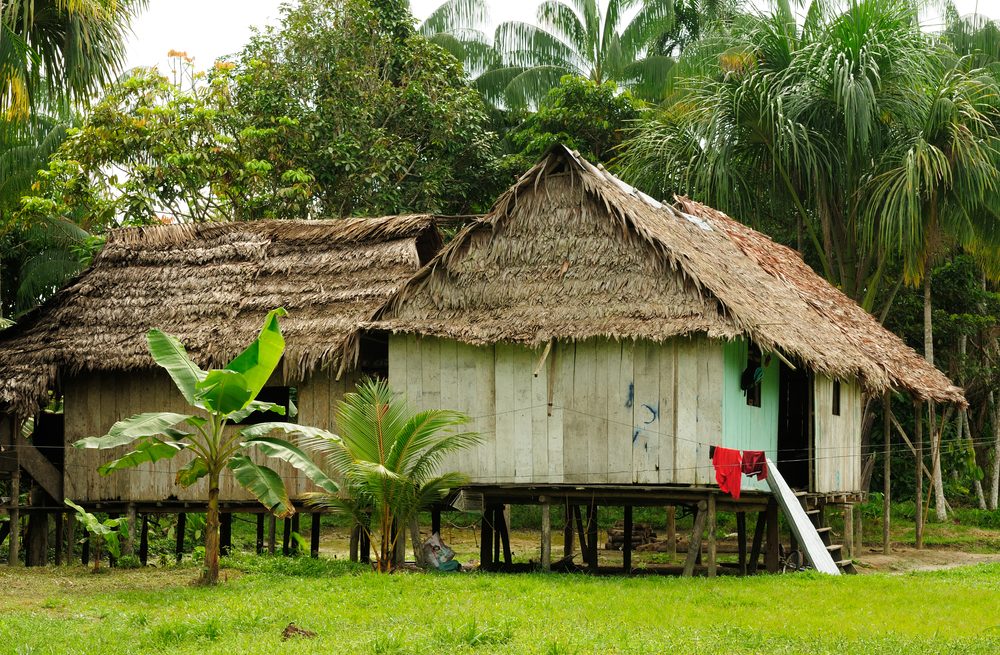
(60, 50)
(575, 38)
(387, 458)
(458, 26)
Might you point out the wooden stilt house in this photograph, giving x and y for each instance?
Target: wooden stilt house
(602, 341)
(210, 285)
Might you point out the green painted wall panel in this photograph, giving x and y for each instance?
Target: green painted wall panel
(744, 426)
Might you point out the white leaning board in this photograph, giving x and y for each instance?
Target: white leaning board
(805, 532)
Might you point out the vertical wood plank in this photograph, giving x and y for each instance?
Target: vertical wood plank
(560, 388)
(539, 417)
(506, 442)
(646, 414)
(620, 400)
(686, 433)
(710, 380)
(523, 365)
(575, 441)
(595, 407)
(484, 409)
(668, 411)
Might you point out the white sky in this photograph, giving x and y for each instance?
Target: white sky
(208, 29)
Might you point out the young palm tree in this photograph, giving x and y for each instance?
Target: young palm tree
(62, 50)
(575, 38)
(457, 26)
(387, 458)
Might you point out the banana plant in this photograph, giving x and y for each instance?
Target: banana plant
(223, 397)
(106, 532)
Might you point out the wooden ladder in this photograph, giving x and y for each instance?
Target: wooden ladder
(836, 550)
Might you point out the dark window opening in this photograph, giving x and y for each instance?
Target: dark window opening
(794, 418)
(283, 396)
(373, 356)
(752, 376)
(836, 398)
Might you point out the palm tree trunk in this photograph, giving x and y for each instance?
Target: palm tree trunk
(210, 574)
(995, 473)
(939, 500)
(964, 429)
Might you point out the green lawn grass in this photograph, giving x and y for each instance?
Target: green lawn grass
(68, 610)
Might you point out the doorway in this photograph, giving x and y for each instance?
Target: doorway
(794, 416)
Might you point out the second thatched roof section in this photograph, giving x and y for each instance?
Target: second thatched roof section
(572, 252)
(211, 285)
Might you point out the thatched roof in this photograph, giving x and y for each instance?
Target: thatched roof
(571, 252)
(211, 285)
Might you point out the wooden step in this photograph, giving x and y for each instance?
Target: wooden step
(823, 530)
(834, 547)
(847, 566)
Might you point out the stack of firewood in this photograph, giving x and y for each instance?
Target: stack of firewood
(642, 533)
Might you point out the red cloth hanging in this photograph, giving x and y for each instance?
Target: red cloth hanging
(755, 463)
(728, 465)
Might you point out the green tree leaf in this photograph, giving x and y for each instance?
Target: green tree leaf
(261, 357)
(281, 449)
(263, 483)
(223, 391)
(169, 353)
(191, 472)
(136, 427)
(150, 449)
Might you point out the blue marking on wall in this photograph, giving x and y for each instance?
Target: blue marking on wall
(654, 412)
(631, 394)
(635, 435)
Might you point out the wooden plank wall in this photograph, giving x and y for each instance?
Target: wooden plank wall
(838, 438)
(94, 401)
(595, 411)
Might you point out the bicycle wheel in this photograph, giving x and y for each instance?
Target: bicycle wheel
(793, 562)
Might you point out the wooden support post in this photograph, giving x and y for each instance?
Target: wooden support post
(504, 533)
(592, 536)
(179, 544)
(858, 531)
(70, 535)
(581, 532)
(486, 539)
(568, 532)
(225, 533)
(741, 542)
(366, 546)
(546, 551)
(694, 544)
(14, 512)
(627, 545)
(286, 537)
(4, 531)
(59, 535)
(758, 541)
(314, 528)
(848, 532)
(294, 543)
(132, 517)
(272, 534)
(260, 534)
(144, 540)
(495, 520)
(771, 555)
(436, 520)
(355, 543)
(886, 472)
(85, 552)
(918, 439)
(711, 536)
(36, 552)
(672, 533)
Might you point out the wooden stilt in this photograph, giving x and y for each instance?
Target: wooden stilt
(225, 533)
(694, 544)
(758, 541)
(546, 549)
(70, 535)
(366, 545)
(741, 542)
(711, 536)
(886, 472)
(495, 521)
(144, 540)
(771, 555)
(918, 442)
(627, 545)
(14, 512)
(504, 533)
(415, 542)
(436, 519)
(286, 537)
(4, 531)
(132, 517)
(272, 534)
(486, 540)
(37, 534)
(314, 528)
(260, 534)
(294, 543)
(60, 523)
(672, 532)
(848, 532)
(179, 541)
(568, 532)
(592, 536)
(858, 531)
(85, 552)
(355, 544)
